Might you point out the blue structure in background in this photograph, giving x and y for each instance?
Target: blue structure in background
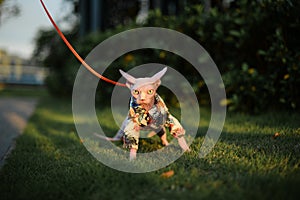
(25, 75)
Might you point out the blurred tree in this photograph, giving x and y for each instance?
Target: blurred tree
(255, 44)
(51, 52)
(8, 9)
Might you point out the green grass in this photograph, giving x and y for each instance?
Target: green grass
(50, 162)
(22, 91)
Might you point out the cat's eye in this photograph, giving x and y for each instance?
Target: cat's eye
(150, 91)
(135, 92)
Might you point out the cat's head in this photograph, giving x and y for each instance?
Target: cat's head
(143, 89)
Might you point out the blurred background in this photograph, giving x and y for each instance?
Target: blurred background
(255, 45)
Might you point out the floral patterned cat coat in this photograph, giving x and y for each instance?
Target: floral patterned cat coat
(147, 111)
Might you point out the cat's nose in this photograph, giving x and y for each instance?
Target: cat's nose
(142, 96)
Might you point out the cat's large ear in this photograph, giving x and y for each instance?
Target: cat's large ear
(156, 77)
(130, 80)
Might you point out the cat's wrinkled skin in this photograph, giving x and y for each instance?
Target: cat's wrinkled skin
(147, 111)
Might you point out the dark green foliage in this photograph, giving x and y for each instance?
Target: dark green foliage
(53, 53)
(255, 45)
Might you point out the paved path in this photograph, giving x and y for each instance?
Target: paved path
(14, 113)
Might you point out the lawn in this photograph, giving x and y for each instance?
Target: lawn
(22, 91)
(250, 161)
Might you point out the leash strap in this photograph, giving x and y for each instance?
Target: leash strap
(87, 66)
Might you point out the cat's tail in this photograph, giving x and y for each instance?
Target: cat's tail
(114, 139)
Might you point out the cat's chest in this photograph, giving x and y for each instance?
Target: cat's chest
(154, 116)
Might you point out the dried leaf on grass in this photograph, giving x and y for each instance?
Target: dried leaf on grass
(167, 174)
(276, 135)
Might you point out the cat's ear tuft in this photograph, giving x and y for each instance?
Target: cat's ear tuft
(130, 80)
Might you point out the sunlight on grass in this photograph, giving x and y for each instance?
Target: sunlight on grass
(51, 115)
(22, 91)
(248, 161)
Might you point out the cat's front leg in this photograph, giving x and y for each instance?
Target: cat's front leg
(131, 138)
(182, 143)
(178, 132)
(132, 154)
